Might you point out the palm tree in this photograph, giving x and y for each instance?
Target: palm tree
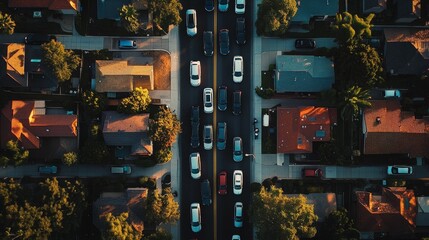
(7, 25)
(353, 100)
(129, 18)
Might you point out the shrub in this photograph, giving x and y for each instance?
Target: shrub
(148, 182)
(255, 187)
(69, 158)
(267, 183)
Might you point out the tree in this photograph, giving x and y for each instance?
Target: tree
(353, 100)
(129, 18)
(164, 127)
(165, 13)
(63, 62)
(94, 151)
(331, 153)
(351, 27)
(160, 234)
(69, 158)
(339, 226)
(93, 102)
(136, 103)
(161, 208)
(163, 154)
(119, 228)
(15, 154)
(274, 16)
(276, 216)
(7, 24)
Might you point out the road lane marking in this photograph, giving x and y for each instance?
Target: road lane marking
(215, 126)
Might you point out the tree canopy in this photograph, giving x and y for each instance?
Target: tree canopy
(93, 102)
(63, 62)
(160, 234)
(351, 27)
(274, 16)
(164, 127)
(353, 100)
(7, 24)
(276, 216)
(69, 158)
(161, 208)
(119, 228)
(129, 18)
(165, 13)
(13, 154)
(339, 226)
(136, 103)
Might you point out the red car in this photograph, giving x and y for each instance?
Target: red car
(312, 172)
(222, 189)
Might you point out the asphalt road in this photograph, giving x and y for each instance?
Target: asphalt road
(217, 219)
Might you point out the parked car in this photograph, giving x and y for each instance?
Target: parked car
(209, 5)
(195, 114)
(195, 165)
(124, 169)
(222, 98)
(238, 215)
(305, 43)
(208, 43)
(240, 6)
(195, 73)
(195, 127)
(223, 5)
(237, 151)
(206, 193)
(399, 170)
(312, 172)
(221, 135)
(48, 169)
(224, 41)
(223, 186)
(195, 217)
(208, 100)
(236, 237)
(237, 179)
(240, 30)
(127, 44)
(392, 93)
(237, 69)
(208, 137)
(191, 22)
(236, 106)
(38, 39)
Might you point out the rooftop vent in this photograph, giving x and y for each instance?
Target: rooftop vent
(378, 120)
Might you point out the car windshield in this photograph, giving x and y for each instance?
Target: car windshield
(240, 5)
(208, 98)
(191, 23)
(237, 74)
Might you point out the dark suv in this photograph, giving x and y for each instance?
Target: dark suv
(240, 28)
(195, 124)
(305, 43)
(206, 192)
(208, 43)
(224, 41)
(222, 98)
(236, 107)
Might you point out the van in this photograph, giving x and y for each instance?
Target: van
(48, 169)
(127, 44)
(121, 169)
(206, 193)
(392, 93)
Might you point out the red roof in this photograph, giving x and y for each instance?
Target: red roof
(19, 123)
(50, 4)
(394, 211)
(395, 131)
(298, 128)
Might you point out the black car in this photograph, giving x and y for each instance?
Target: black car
(224, 41)
(222, 98)
(305, 43)
(208, 43)
(195, 124)
(209, 5)
(206, 193)
(240, 28)
(236, 105)
(38, 39)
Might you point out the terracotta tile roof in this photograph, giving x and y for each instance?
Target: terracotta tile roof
(394, 211)
(20, 123)
(12, 63)
(50, 4)
(395, 132)
(298, 128)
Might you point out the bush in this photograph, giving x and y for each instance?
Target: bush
(163, 155)
(69, 158)
(267, 183)
(255, 187)
(266, 93)
(147, 182)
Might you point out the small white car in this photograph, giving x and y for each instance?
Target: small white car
(237, 179)
(195, 217)
(236, 237)
(237, 69)
(208, 137)
(240, 6)
(195, 164)
(238, 215)
(208, 100)
(191, 22)
(195, 73)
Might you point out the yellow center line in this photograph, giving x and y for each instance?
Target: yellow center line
(215, 126)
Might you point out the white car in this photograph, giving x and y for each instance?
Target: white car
(195, 217)
(237, 179)
(208, 100)
(238, 215)
(237, 69)
(195, 73)
(208, 137)
(240, 6)
(191, 22)
(236, 237)
(195, 164)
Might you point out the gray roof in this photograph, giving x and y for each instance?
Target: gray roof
(373, 6)
(308, 9)
(306, 73)
(422, 211)
(404, 59)
(407, 10)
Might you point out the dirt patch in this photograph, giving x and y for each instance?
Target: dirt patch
(162, 70)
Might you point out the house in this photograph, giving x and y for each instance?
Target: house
(406, 51)
(373, 6)
(107, 9)
(12, 67)
(394, 211)
(62, 6)
(406, 11)
(388, 130)
(422, 212)
(303, 73)
(309, 9)
(298, 128)
(131, 201)
(324, 203)
(39, 127)
(115, 76)
(128, 133)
